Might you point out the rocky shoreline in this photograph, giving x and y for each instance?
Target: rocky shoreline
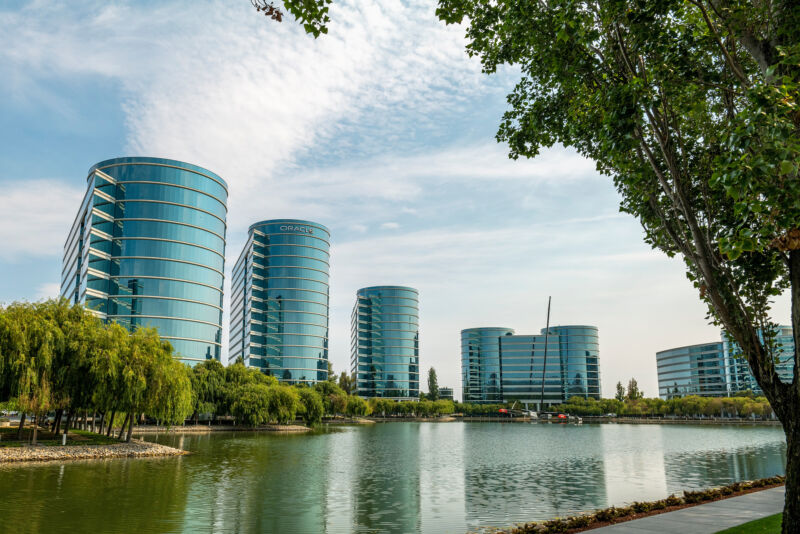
(135, 449)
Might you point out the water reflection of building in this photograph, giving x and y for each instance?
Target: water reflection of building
(718, 369)
(520, 472)
(498, 366)
(279, 301)
(386, 491)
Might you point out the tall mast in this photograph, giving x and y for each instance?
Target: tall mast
(544, 366)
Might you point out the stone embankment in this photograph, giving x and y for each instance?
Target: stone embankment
(135, 449)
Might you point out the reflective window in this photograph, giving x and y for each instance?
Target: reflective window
(167, 249)
(169, 212)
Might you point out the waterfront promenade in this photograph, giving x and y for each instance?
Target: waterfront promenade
(705, 518)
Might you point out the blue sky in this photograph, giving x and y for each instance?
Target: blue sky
(383, 130)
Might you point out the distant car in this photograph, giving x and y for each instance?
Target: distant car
(611, 415)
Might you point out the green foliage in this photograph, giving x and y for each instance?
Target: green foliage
(633, 392)
(433, 385)
(310, 405)
(356, 406)
(620, 395)
(691, 405)
(251, 407)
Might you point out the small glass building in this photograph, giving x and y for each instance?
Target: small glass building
(384, 344)
(446, 393)
(279, 300)
(147, 249)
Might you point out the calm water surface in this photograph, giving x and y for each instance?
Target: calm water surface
(392, 477)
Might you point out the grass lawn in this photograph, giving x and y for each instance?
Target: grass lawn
(8, 438)
(766, 525)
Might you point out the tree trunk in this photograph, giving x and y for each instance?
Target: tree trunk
(21, 426)
(791, 507)
(111, 423)
(130, 430)
(122, 430)
(102, 428)
(35, 428)
(70, 415)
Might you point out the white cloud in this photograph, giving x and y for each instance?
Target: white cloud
(35, 217)
(48, 290)
(390, 226)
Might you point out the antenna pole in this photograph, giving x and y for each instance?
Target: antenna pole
(544, 365)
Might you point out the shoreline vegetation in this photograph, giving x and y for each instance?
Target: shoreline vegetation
(639, 510)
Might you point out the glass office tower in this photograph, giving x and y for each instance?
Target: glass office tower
(692, 370)
(480, 364)
(385, 342)
(147, 248)
(498, 366)
(279, 301)
(523, 369)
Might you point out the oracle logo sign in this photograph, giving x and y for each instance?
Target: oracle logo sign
(301, 229)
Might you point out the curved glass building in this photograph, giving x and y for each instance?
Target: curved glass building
(279, 300)
(385, 342)
(147, 248)
(498, 366)
(480, 364)
(579, 356)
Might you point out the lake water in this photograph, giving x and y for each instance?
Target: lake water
(390, 477)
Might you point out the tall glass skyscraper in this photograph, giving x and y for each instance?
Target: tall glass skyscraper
(480, 364)
(279, 300)
(498, 366)
(147, 248)
(385, 342)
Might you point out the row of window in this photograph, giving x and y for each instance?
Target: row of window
(123, 171)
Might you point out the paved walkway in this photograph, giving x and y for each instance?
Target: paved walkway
(705, 518)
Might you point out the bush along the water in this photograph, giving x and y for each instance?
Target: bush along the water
(615, 514)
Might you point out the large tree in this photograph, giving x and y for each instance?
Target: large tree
(691, 107)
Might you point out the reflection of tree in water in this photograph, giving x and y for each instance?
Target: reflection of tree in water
(134, 495)
(386, 491)
(523, 489)
(701, 469)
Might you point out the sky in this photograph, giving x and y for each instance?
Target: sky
(383, 131)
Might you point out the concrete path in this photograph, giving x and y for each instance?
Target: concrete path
(705, 518)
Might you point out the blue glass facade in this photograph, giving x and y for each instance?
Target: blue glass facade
(385, 342)
(498, 366)
(740, 377)
(279, 300)
(147, 248)
(692, 370)
(480, 364)
(718, 369)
